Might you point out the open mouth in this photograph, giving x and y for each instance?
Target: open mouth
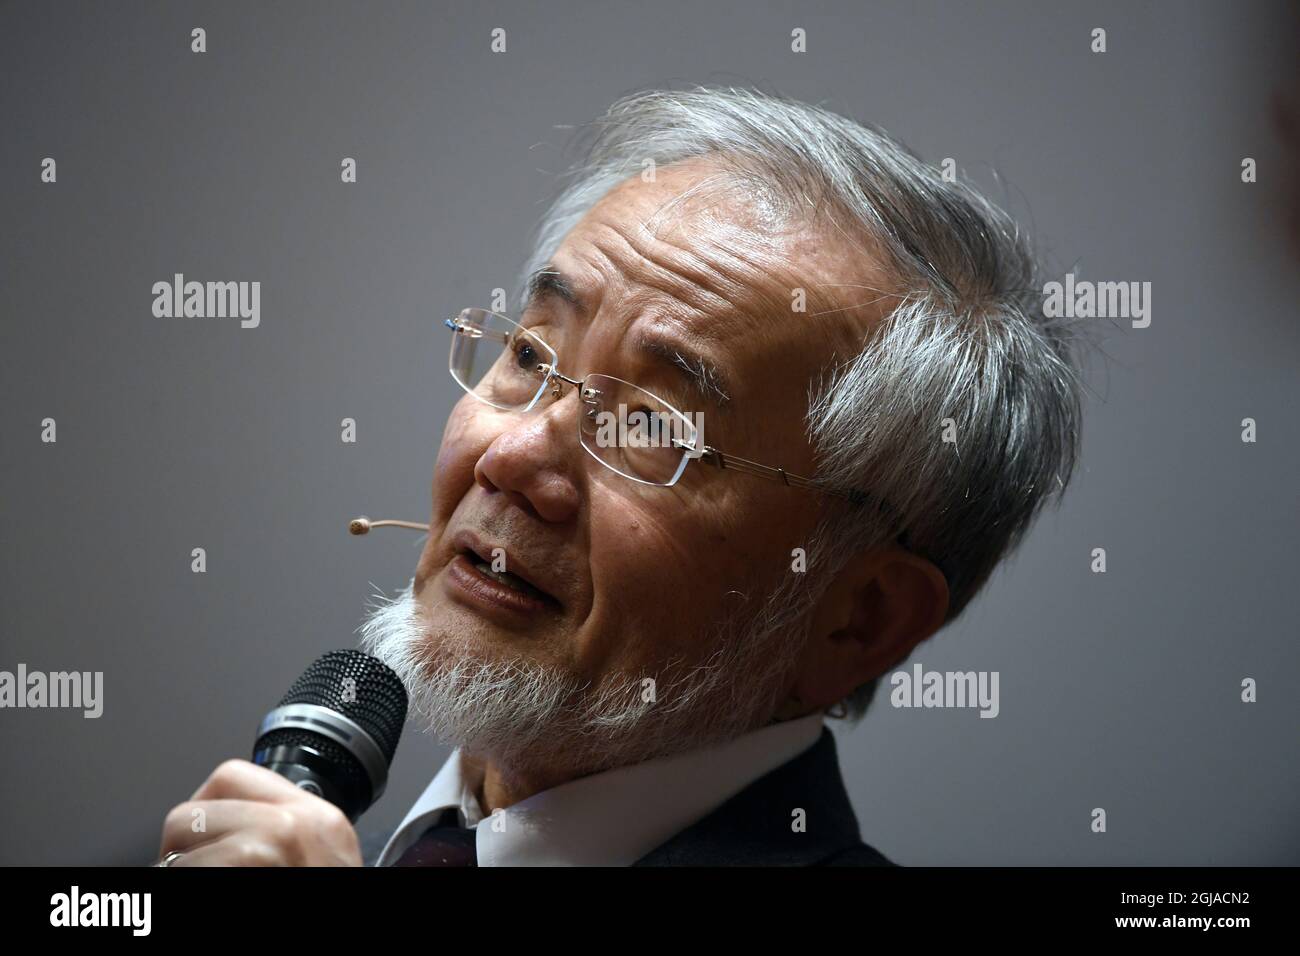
(506, 578)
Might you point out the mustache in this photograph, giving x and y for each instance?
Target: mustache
(520, 531)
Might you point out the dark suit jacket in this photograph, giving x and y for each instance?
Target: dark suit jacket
(753, 828)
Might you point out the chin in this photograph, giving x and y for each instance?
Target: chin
(457, 633)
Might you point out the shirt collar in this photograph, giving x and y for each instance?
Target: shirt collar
(588, 821)
(452, 787)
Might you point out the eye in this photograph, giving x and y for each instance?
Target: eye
(527, 356)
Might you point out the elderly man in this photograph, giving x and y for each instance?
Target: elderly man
(632, 635)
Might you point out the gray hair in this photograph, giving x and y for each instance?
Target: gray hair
(964, 340)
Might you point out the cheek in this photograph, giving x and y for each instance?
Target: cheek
(660, 585)
(462, 446)
(666, 587)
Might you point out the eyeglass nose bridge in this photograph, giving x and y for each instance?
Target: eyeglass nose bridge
(557, 378)
(589, 396)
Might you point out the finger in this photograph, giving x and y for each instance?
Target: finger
(233, 849)
(241, 780)
(195, 823)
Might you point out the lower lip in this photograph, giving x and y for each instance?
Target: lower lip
(475, 588)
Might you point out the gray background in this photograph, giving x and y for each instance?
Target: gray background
(1118, 690)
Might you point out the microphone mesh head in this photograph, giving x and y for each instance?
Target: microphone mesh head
(359, 687)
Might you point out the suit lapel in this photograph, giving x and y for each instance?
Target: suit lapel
(755, 827)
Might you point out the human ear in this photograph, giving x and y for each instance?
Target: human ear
(880, 606)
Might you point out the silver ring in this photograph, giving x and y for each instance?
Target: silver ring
(171, 857)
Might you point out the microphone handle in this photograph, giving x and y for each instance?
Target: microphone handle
(310, 770)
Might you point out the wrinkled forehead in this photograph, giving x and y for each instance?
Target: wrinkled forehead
(721, 258)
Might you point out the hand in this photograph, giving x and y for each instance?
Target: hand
(254, 817)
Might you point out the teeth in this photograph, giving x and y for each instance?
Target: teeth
(509, 580)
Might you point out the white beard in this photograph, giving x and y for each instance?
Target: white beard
(519, 713)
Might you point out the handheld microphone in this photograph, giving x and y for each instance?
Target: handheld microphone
(336, 730)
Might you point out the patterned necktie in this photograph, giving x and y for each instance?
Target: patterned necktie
(446, 843)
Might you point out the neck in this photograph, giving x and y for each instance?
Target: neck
(500, 788)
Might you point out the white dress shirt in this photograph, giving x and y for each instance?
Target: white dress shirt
(611, 818)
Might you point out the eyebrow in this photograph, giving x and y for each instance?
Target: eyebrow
(548, 282)
(702, 374)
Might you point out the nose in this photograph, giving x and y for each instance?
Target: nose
(532, 463)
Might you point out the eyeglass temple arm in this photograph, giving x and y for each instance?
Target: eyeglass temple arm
(474, 333)
(852, 495)
(721, 461)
